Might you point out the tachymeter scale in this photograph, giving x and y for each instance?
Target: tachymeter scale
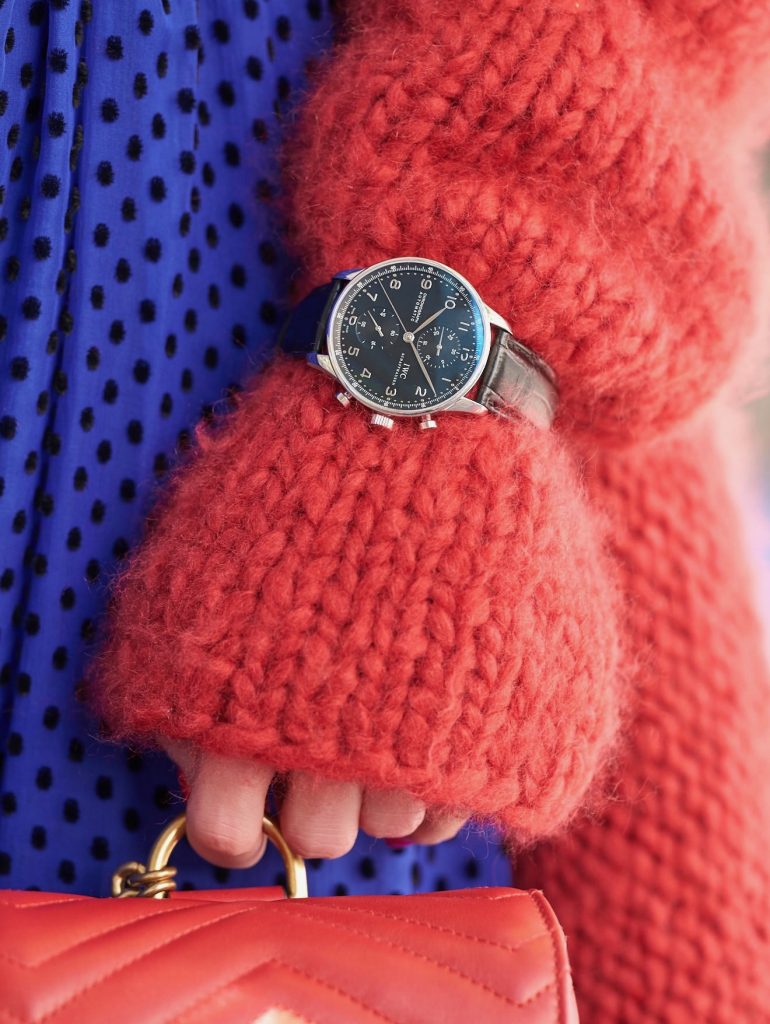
(408, 336)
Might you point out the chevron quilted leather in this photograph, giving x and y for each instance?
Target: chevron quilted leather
(245, 956)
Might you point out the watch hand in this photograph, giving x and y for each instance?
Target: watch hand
(440, 339)
(394, 308)
(376, 325)
(429, 320)
(422, 365)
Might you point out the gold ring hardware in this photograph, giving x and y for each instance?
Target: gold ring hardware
(156, 879)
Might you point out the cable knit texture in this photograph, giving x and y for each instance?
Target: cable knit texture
(665, 897)
(438, 611)
(426, 609)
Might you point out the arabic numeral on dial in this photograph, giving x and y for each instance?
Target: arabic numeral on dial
(465, 356)
(354, 351)
(365, 372)
(394, 283)
(352, 319)
(422, 392)
(391, 392)
(450, 303)
(426, 283)
(372, 296)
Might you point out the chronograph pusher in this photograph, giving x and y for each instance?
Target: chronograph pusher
(411, 337)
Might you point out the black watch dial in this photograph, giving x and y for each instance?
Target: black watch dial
(408, 336)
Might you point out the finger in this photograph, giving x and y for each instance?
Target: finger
(224, 812)
(187, 757)
(437, 828)
(319, 817)
(390, 812)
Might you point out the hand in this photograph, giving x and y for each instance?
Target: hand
(420, 363)
(429, 320)
(318, 817)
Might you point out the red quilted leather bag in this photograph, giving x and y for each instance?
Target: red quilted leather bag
(252, 956)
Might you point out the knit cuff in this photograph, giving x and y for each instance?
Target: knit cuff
(428, 610)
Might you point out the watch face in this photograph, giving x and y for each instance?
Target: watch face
(408, 336)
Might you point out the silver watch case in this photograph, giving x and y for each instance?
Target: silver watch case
(457, 403)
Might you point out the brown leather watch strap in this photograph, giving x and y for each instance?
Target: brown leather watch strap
(516, 381)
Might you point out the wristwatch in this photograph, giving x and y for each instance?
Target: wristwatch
(412, 337)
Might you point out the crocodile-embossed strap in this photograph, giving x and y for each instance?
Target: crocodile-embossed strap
(515, 380)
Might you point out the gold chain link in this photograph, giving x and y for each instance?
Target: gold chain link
(156, 879)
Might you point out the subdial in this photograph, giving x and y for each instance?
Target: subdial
(436, 345)
(374, 325)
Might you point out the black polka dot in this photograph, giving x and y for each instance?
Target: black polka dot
(146, 22)
(186, 100)
(104, 451)
(41, 247)
(226, 93)
(105, 175)
(19, 368)
(115, 48)
(157, 189)
(76, 750)
(57, 60)
(117, 332)
(71, 810)
(50, 186)
(66, 871)
(56, 127)
(51, 716)
(134, 148)
(153, 250)
(30, 307)
(283, 28)
(38, 837)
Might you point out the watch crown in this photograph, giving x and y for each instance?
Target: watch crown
(343, 397)
(382, 421)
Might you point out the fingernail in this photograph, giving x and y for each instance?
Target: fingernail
(399, 844)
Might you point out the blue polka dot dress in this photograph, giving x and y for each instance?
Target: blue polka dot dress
(142, 280)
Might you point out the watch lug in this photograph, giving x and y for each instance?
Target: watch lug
(497, 320)
(321, 362)
(467, 405)
(348, 275)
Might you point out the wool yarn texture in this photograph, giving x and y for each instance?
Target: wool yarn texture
(664, 896)
(506, 621)
(421, 609)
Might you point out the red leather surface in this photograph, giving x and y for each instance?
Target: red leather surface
(483, 954)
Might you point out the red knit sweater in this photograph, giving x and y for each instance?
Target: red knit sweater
(508, 622)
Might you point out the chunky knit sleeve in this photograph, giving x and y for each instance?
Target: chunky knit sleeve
(435, 609)
(423, 609)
